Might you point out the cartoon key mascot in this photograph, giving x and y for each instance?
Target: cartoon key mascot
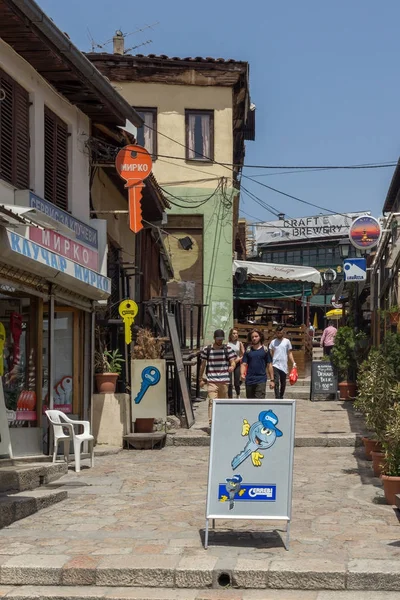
(262, 435)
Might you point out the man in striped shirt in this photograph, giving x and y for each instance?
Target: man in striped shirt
(218, 361)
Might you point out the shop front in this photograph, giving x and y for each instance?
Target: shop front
(49, 286)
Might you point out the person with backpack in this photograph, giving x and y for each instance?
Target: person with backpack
(256, 366)
(281, 350)
(218, 361)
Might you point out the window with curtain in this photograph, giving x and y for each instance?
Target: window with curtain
(147, 134)
(199, 135)
(14, 132)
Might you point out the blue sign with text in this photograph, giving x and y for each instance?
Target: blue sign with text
(355, 269)
(254, 492)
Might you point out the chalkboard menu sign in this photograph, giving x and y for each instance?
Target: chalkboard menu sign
(323, 379)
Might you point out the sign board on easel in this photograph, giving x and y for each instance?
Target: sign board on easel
(323, 380)
(250, 469)
(5, 441)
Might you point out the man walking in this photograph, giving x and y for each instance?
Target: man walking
(328, 338)
(281, 350)
(218, 361)
(256, 366)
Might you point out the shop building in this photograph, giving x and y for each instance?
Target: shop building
(53, 255)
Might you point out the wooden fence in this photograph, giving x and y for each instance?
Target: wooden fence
(301, 342)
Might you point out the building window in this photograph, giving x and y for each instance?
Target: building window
(199, 135)
(55, 160)
(147, 134)
(14, 132)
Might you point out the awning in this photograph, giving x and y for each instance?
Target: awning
(270, 272)
(272, 290)
(17, 216)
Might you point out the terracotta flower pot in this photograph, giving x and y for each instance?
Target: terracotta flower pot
(348, 390)
(106, 382)
(377, 462)
(391, 487)
(371, 445)
(394, 318)
(144, 425)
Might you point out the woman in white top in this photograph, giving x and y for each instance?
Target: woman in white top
(236, 345)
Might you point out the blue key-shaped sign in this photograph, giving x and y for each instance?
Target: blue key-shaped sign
(355, 269)
(150, 376)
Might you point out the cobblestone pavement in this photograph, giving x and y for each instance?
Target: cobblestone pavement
(145, 509)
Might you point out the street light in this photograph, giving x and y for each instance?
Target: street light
(329, 276)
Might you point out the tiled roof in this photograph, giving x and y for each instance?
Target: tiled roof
(197, 59)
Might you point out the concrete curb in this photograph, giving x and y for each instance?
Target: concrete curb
(169, 572)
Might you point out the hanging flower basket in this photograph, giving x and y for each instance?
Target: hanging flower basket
(394, 317)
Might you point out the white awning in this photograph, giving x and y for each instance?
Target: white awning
(24, 216)
(274, 272)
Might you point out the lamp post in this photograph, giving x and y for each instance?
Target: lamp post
(329, 276)
(344, 249)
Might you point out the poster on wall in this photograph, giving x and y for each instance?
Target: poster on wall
(149, 395)
(250, 469)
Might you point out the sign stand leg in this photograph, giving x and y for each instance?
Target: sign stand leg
(287, 535)
(206, 536)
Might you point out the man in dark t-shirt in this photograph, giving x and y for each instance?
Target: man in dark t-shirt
(256, 367)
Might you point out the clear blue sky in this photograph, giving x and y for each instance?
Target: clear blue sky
(323, 75)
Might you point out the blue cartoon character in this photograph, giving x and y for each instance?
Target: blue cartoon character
(233, 485)
(262, 435)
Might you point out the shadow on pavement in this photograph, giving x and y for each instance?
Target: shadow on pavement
(244, 539)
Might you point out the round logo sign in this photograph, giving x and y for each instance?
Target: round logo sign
(336, 304)
(365, 232)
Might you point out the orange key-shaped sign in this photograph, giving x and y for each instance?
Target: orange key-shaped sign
(134, 164)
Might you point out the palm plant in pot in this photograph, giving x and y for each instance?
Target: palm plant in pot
(347, 353)
(108, 367)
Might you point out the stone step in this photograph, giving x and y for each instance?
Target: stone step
(292, 393)
(181, 577)
(196, 437)
(14, 507)
(19, 477)
(27, 592)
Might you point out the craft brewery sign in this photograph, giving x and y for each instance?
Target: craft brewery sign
(319, 226)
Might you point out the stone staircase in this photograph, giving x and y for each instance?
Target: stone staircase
(23, 488)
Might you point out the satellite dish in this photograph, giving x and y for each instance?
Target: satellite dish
(240, 275)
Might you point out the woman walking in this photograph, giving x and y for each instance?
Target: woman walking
(236, 345)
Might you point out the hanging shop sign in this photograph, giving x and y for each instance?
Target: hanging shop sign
(250, 471)
(134, 164)
(365, 232)
(83, 232)
(355, 269)
(69, 248)
(128, 309)
(41, 255)
(319, 226)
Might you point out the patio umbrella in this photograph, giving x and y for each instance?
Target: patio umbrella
(315, 323)
(335, 313)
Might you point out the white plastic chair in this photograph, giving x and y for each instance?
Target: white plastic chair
(59, 420)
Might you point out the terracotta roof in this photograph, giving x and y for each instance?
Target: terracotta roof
(201, 59)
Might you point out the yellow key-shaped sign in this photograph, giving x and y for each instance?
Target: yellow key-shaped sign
(128, 309)
(2, 343)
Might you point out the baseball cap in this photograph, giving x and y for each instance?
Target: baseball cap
(219, 334)
(269, 419)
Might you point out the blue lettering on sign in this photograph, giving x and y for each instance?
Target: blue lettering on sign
(250, 492)
(83, 232)
(35, 252)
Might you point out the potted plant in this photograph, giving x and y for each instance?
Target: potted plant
(391, 467)
(394, 314)
(108, 367)
(148, 365)
(346, 354)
